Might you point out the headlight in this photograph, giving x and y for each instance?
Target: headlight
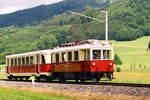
(93, 64)
(110, 64)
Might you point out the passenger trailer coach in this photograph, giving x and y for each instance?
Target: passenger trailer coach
(86, 60)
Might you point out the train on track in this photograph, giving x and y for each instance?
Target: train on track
(85, 60)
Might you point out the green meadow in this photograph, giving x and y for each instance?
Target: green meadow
(133, 54)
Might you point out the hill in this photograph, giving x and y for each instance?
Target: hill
(129, 19)
(34, 16)
(124, 24)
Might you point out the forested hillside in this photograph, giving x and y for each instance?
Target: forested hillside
(128, 20)
(34, 16)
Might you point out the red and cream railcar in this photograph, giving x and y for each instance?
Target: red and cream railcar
(24, 65)
(87, 60)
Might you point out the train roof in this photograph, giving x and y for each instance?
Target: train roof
(30, 53)
(88, 44)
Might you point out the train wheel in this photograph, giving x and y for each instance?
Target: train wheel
(21, 78)
(62, 80)
(48, 79)
(82, 81)
(97, 80)
(16, 78)
(27, 78)
(76, 81)
(10, 78)
(38, 79)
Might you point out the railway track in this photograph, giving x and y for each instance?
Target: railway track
(90, 87)
(89, 83)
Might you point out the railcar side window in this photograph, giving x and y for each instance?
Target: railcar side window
(19, 61)
(43, 59)
(76, 55)
(69, 56)
(31, 60)
(96, 54)
(57, 57)
(23, 61)
(12, 63)
(63, 56)
(15, 62)
(27, 60)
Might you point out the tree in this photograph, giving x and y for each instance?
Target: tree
(149, 45)
(117, 60)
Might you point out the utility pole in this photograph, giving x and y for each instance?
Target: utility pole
(106, 24)
(106, 21)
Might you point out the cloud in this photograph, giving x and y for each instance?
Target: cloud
(8, 6)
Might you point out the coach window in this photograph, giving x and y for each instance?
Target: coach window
(57, 57)
(69, 56)
(23, 61)
(12, 62)
(31, 60)
(96, 54)
(43, 59)
(19, 61)
(76, 55)
(15, 61)
(63, 56)
(27, 60)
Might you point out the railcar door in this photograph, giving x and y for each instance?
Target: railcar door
(38, 63)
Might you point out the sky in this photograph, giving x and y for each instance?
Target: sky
(9, 6)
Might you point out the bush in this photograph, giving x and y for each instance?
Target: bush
(118, 69)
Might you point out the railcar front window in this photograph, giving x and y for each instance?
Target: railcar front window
(106, 54)
(96, 54)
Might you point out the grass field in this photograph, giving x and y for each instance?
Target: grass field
(132, 77)
(133, 53)
(13, 94)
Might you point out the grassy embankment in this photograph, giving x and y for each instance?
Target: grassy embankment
(14, 94)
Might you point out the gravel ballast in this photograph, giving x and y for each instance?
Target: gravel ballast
(106, 89)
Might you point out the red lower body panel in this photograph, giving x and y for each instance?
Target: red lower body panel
(29, 69)
(84, 66)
